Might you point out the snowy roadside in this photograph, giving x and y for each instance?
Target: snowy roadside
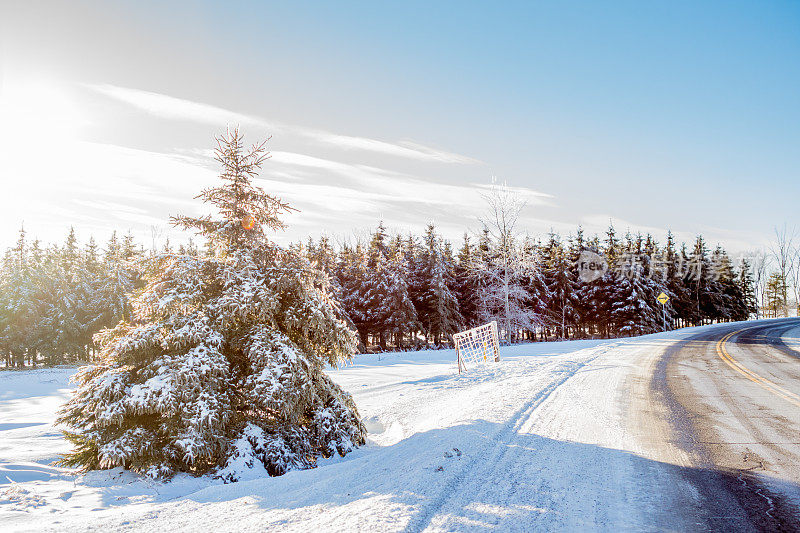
(791, 339)
(543, 440)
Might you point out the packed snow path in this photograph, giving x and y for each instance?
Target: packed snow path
(572, 435)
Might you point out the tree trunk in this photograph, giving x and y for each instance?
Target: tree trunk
(508, 310)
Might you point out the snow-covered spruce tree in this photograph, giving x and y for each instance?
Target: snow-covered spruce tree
(440, 315)
(352, 277)
(560, 284)
(396, 312)
(220, 368)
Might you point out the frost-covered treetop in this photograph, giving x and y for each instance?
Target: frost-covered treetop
(245, 208)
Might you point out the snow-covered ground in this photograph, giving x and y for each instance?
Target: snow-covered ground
(791, 338)
(541, 440)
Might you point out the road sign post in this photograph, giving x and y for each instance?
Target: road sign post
(663, 299)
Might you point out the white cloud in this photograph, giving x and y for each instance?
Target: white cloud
(445, 157)
(169, 107)
(100, 187)
(179, 109)
(302, 160)
(404, 149)
(389, 187)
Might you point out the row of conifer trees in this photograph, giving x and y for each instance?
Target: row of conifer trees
(406, 291)
(53, 299)
(399, 291)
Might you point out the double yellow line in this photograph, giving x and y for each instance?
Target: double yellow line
(752, 376)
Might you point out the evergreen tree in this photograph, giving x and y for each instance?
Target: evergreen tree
(112, 304)
(697, 277)
(748, 306)
(583, 319)
(560, 285)
(604, 289)
(633, 295)
(670, 265)
(376, 288)
(353, 277)
(65, 314)
(221, 365)
(440, 315)
(724, 291)
(18, 317)
(400, 315)
(465, 284)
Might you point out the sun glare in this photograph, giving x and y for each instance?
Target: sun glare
(39, 127)
(35, 111)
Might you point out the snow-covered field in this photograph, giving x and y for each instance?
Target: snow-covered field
(542, 440)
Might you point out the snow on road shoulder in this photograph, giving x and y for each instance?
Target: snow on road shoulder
(403, 393)
(791, 338)
(436, 438)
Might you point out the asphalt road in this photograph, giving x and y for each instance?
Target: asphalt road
(731, 395)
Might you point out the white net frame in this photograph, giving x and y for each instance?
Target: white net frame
(477, 346)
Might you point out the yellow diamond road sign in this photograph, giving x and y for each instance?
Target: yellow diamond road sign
(663, 298)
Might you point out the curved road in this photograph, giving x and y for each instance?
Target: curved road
(731, 395)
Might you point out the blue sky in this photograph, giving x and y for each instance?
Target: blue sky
(653, 114)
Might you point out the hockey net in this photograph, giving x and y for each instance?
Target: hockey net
(477, 346)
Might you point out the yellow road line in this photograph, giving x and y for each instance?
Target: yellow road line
(752, 376)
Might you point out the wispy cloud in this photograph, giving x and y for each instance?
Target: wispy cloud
(169, 107)
(104, 186)
(389, 186)
(403, 149)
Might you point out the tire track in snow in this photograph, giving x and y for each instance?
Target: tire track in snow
(496, 450)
